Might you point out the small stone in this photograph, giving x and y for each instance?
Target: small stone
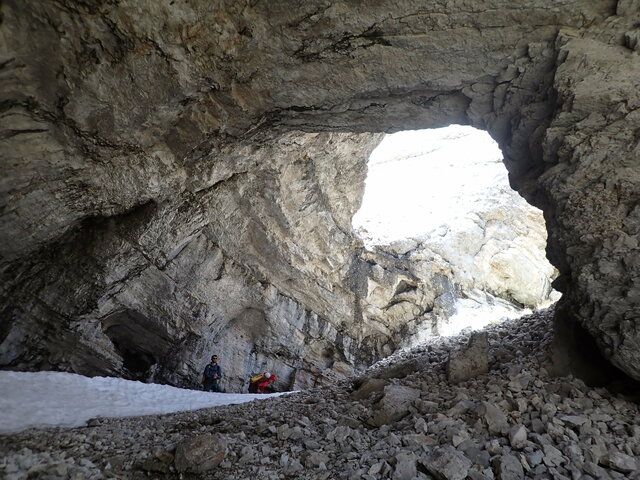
(471, 361)
(294, 466)
(535, 458)
(495, 418)
(537, 426)
(62, 469)
(493, 447)
(520, 382)
(315, 459)
(620, 462)
(405, 467)
(518, 437)
(283, 432)
(159, 462)
(370, 387)
(395, 404)
(552, 456)
(574, 420)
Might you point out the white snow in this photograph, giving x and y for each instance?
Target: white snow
(476, 313)
(47, 399)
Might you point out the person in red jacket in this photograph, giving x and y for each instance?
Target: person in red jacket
(262, 383)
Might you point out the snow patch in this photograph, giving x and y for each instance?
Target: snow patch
(57, 399)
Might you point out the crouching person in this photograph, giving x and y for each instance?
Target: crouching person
(262, 383)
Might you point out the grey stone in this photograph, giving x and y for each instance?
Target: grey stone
(620, 462)
(518, 436)
(395, 404)
(315, 459)
(535, 458)
(200, 453)
(368, 388)
(447, 463)
(470, 361)
(574, 420)
(507, 467)
(405, 468)
(552, 456)
(495, 418)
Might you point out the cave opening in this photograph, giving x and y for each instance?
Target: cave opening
(137, 341)
(452, 245)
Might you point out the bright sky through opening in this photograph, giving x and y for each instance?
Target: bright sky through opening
(421, 179)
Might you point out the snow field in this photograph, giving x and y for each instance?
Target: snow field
(57, 399)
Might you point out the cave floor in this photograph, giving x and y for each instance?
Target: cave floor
(405, 421)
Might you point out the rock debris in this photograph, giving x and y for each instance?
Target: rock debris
(402, 420)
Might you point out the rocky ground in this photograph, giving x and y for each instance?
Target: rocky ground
(405, 419)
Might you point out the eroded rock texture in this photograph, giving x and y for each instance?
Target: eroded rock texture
(448, 242)
(186, 173)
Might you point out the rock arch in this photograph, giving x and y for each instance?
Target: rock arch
(248, 124)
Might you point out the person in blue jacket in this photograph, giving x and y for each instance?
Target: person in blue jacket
(211, 376)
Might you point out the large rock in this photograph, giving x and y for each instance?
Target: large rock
(470, 361)
(447, 463)
(200, 454)
(394, 404)
(180, 172)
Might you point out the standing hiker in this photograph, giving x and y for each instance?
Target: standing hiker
(211, 376)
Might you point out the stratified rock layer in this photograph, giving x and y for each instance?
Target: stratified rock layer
(169, 171)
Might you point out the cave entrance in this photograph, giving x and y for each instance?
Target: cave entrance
(451, 245)
(140, 342)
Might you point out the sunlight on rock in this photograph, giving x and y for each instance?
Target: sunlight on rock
(439, 202)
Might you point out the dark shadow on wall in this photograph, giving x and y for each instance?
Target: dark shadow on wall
(575, 352)
(139, 342)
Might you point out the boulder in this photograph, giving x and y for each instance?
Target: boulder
(470, 361)
(200, 453)
(395, 404)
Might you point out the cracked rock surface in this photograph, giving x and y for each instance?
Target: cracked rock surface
(186, 174)
(515, 422)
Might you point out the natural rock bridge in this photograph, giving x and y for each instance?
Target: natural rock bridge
(182, 176)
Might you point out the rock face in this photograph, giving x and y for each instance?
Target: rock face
(179, 178)
(447, 251)
(153, 292)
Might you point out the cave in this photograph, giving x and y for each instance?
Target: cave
(254, 182)
(136, 341)
(180, 179)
